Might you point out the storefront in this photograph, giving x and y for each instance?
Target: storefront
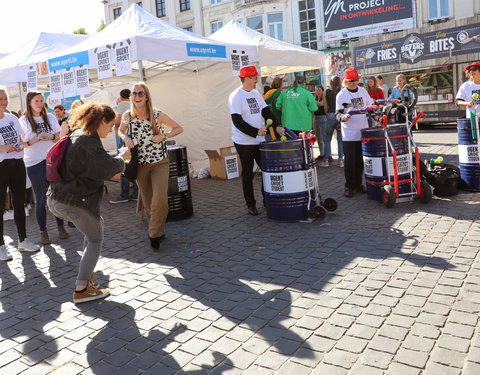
(432, 58)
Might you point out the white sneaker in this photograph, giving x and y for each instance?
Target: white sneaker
(8, 215)
(27, 245)
(324, 163)
(340, 164)
(4, 254)
(27, 211)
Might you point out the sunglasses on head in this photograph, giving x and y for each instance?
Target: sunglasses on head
(141, 94)
(473, 69)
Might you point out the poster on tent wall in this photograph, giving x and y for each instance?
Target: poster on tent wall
(32, 80)
(69, 84)
(239, 60)
(123, 58)
(56, 85)
(52, 103)
(104, 67)
(81, 80)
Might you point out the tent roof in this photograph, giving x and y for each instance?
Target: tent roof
(40, 48)
(154, 39)
(275, 56)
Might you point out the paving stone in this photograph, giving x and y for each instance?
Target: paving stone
(447, 357)
(384, 344)
(340, 358)
(454, 343)
(293, 368)
(411, 358)
(471, 368)
(436, 369)
(351, 344)
(326, 369)
(459, 330)
(376, 359)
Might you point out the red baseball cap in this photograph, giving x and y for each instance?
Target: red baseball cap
(248, 71)
(477, 64)
(351, 73)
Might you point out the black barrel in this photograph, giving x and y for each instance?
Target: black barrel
(180, 205)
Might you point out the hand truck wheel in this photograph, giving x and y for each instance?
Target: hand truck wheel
(330, 204)
(426, 194)
(317, 212)
(388, 196)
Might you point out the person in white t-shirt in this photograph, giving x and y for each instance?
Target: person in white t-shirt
(40, 131)
(382, 85)
(352, 96)
(12, 176)
(248, 111)
(465, 93)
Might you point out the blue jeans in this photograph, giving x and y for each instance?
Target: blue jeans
(320, 131)
(92, 229)
(329, 129)
(125, 188)
(38, 176)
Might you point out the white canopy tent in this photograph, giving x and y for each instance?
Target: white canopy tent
(275, 56)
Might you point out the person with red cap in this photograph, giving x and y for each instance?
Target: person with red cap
(357, 97)
(248, 111)
(465, 93)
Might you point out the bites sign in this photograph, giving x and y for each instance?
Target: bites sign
(353, 18)
(417, 47)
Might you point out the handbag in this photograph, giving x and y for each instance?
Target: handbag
(131, 168)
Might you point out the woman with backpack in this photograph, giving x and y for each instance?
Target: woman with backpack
(12, 176)
(40, 131)
(85, 167)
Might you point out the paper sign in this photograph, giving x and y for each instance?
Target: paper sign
(231, 167)
(123, 63)
(239, 59)
(104, 68)
(32, 82)
(81, 79)
(56, 85)
(69, 84)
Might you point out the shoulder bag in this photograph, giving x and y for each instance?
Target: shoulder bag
(131, 168)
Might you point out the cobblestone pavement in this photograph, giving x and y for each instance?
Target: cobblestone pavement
(368, 290)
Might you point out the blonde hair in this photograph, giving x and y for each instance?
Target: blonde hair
(149, 105)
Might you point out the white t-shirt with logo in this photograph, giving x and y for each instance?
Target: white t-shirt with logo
(465, 92)
(10, 133)
(37, 152)
(249, 105)
(351, 130)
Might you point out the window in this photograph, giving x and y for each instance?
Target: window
(139, 3)
(438, 9)
(275, 25)
(161, 11)
(189, 28)
(216, 25)
(117, 12)
(255, 23)
(213, 2)
(184, 5)
(308, 24)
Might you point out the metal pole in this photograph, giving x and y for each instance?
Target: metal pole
(19, 85)
(140, 70)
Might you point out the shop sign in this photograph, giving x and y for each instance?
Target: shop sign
(353, 18)
(417, 47)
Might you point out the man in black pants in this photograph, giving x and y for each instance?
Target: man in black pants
(248, 111)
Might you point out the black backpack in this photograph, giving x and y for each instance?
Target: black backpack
(444, 178)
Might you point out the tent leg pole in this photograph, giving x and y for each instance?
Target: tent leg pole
(19, 84)
(140, 70)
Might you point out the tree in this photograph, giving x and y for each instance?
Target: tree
(102, 25)
(80, 30)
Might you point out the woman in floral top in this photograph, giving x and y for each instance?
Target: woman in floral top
(145, 126)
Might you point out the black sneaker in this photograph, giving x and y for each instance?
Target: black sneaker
(349, 192)
(361, 189)
(155, 243)
(252, 210)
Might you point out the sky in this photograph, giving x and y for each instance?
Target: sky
(22, 19)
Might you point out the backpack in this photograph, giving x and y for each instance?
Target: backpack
(444, 178)
(55, 155)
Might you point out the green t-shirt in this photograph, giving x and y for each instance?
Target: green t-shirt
(297, 108)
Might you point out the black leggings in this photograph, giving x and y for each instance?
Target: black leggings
(13, 176)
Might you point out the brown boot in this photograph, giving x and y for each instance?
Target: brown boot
(44, 239)
(63, 233)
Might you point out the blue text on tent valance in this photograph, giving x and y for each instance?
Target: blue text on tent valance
(68, 61)
(206, 50)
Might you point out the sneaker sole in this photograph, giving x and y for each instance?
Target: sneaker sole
(7, 259)
(116, 202)
(93, 298)
(28, 250)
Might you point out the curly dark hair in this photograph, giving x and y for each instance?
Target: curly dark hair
(89, 116)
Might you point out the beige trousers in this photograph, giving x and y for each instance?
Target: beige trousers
(152, 180)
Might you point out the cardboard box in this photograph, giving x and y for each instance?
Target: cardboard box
(224, 165)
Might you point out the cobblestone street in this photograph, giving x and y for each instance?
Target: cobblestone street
(368, 290)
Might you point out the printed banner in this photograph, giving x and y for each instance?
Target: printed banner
(123, 62)
(68, 61)
(81, 79)
(239, 59)
(66, 102)
(353, 18)
(56, 85)
(468, 154)
(104, 68)
(32, 80)
(418, 47)
(287, 182)
(69, 84)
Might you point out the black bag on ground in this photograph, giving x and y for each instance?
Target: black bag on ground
(444, 178)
